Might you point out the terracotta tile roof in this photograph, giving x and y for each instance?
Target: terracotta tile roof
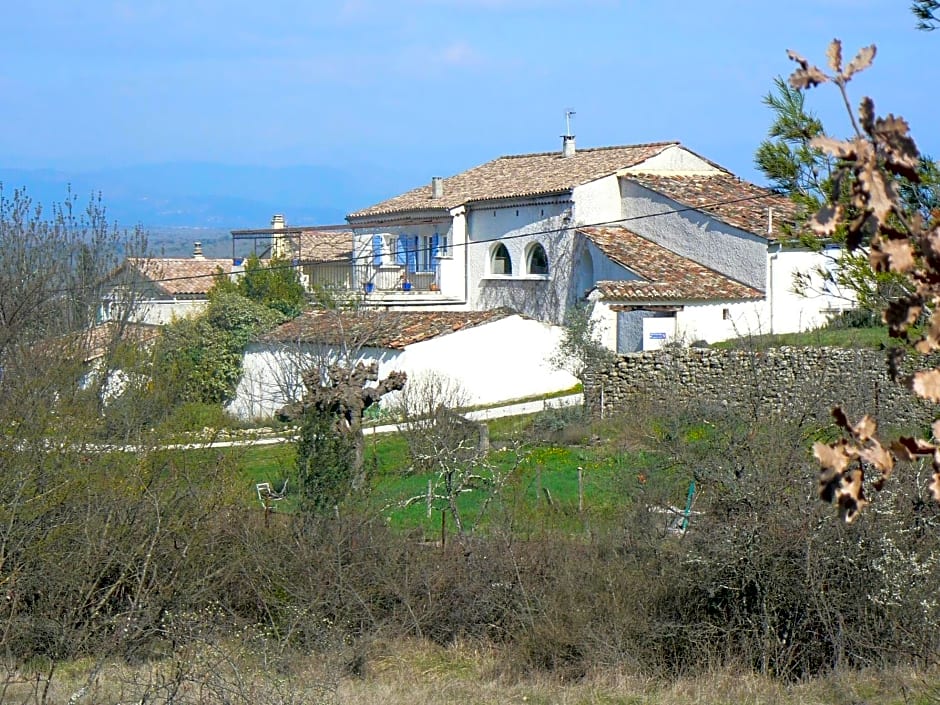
(702, 192)
(521, 175)
(381, 329)
(93, 343)
(666, 275)
(325, 245)
(95, 340)
(175, 277)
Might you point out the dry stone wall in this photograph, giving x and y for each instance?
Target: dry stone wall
(801, 382)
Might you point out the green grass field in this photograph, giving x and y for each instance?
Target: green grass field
(529, 485)
(876, 337)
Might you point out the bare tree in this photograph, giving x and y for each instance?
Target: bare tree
(446, 444)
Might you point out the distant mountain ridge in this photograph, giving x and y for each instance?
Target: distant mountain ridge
(216, 196)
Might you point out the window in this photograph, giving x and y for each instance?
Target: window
(537, 260)
(443, 245)
(500, 262)
(419, 253)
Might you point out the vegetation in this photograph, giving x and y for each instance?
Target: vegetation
(669, 555)
(275, 284)
(878, 168)
(796, 165)
(201, 357)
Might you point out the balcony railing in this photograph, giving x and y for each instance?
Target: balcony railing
(368, 278)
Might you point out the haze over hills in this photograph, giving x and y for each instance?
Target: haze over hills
(178, 203)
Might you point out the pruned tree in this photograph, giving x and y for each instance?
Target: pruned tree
(330, 448)
(873, 164)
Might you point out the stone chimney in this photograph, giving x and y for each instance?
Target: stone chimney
(567, 145)
(279, 245)
(197, 250)
(437, 187)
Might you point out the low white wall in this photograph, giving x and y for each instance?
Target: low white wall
(496, 362)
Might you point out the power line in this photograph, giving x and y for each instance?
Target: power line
(549, 231)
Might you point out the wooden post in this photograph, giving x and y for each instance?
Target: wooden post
(580, 490)
(443, 529)
(538, 485)
(430, 498)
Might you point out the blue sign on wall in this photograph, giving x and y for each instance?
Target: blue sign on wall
(658, 335)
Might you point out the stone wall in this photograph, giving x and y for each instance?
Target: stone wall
(803, 382)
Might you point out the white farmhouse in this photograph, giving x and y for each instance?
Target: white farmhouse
(154, 290)
(667, 245)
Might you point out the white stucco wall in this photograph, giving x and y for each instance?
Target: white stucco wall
(797, 311)
(597, 202)
(715, 322)
(735, 253)
(519, 225)
(711, 322)
(162, 311)
(500, 361)
(674, 160)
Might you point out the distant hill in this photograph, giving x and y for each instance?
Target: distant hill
(212, 196)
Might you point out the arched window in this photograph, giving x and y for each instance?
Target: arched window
(585, 273)
(500, 262)
(537, 260)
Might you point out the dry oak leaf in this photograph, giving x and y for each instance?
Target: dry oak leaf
(835, 457)
(878, 455)
(935, 487)
(930, 341)
(879, 193)
(827, 219)
(866, 114)
(841, 149)
(851, 496)
(863, 431)
(902, 314)
(866, 428)
(926, 384)
(901, 155)
(834, 460)
(892, 255)
(861, 61)
(806, 76)
(834, 54)
(908, 447)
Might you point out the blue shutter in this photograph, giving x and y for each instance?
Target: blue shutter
(413, 255)
(401, 256)
(377, 250)
(435, 245)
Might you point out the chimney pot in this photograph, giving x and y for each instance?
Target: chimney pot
(437, 187)
(197, 250)
(277, 221)
(567, 145)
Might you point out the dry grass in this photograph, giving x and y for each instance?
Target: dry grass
(409, 672)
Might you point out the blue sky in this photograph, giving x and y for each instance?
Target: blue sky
(415, 88)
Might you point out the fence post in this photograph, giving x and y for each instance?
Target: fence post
(580, 490)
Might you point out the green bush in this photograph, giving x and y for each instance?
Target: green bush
(200, 358)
